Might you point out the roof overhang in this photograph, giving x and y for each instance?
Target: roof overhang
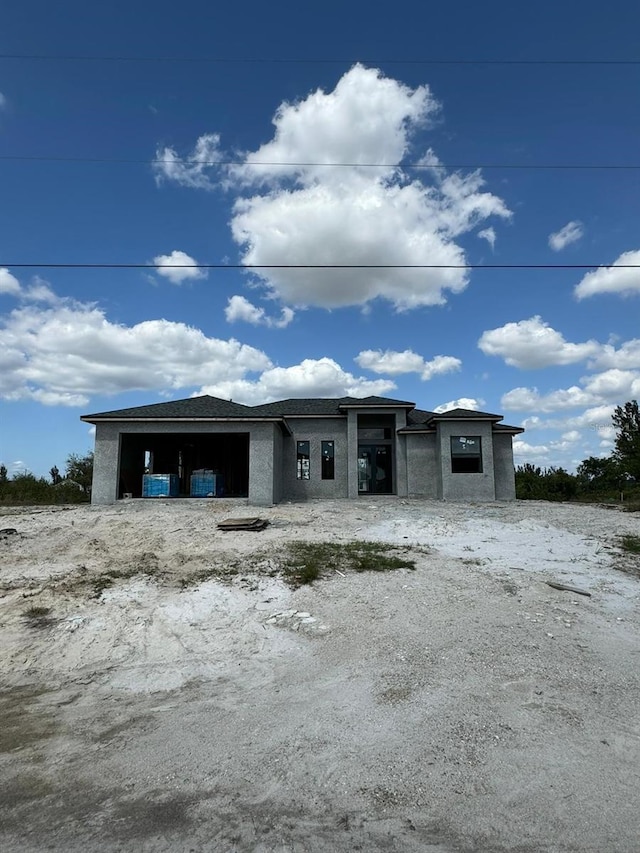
(407, 406)
(91, 420)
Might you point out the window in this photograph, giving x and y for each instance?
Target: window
(328, 464)
(374, 433)
(466, 454)
(302, 462)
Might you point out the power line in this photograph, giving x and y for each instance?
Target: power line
(416, 165)
(307, 61)
(107, 266)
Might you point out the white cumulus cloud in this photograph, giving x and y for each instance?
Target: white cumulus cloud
(525, 451)
(240, 309)
(524, 399)
(488, 234)
(321, 377)
(65, 354)
(613, 384)
(379, 220)
(178, 267)
(395, 363)
(570, 233)
(8, 283)
(460, 403)
(531, 344)
(194, 171)
(626, 357)
(613, 279)
(599, 389)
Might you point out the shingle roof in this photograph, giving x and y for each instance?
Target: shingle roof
(376, 401)
(193, 407)
(207, 407)
(299, 406)
(506, 428)
(462, 414)
(213, 407)
(419, 416)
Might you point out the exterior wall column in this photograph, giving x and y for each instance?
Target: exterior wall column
(467, 487)
(352, 453)
(400, 456)
(106, 465)
(261, 465)
(504, 470)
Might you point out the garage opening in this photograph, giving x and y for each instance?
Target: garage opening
(226, 454)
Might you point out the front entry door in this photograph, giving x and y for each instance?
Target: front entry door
(374, 469)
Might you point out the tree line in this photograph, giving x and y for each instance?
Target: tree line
(74, 486)
(612, 478)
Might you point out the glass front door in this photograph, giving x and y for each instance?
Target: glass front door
(374, 469)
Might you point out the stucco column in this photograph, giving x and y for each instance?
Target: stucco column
(400, 454)
(261, 465)
(106, 464)
(352, 453)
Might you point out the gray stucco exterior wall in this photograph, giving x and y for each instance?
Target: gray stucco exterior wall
(278, 451)
(504, 471)
(106, 464)
(466, 487)
(352, 450)
(423, 474)
(315, 431)
(261, 464)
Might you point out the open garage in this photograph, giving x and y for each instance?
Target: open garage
(225, 454)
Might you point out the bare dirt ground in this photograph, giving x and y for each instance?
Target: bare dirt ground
(164, 689)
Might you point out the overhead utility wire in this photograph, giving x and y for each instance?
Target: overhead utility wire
(160, 160)
(82, 266)
(309, 61)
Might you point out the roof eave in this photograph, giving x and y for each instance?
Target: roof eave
(226, 419)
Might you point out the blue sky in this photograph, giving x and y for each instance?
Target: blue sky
(432, 149)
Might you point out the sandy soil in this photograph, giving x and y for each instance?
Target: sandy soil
(178, 695)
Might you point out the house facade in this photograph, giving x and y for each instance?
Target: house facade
(299, 449)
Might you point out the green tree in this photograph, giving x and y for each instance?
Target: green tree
(545, 484)
(596, 474)
(626, 420)
(3, 473)
(80, 470)
(26, 488)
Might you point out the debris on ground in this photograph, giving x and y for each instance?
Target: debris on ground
(566, 588)
(253, 523)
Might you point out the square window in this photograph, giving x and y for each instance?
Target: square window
(466, 454)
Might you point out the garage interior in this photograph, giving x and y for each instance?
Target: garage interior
(226, 454)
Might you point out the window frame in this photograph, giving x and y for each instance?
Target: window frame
(303, 455)
(327, 472)
(468, 456)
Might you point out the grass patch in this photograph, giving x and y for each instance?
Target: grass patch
(38, 617)
(147, 565)
(306, 562)
(217, 572)
(630, 544)
(36, 612)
